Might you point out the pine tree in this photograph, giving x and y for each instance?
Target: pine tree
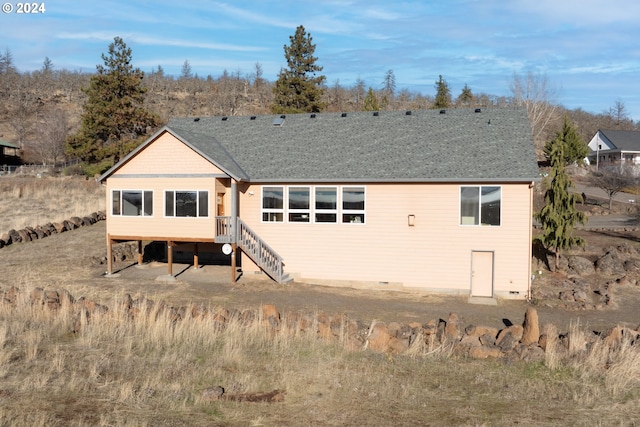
(114, 120)
(466, 96)
(559, 215)
(443, 94)
(298, 89)
(574, 148)
(371, 102)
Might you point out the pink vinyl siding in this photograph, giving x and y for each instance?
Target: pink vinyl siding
(435, 253)
(167, 155)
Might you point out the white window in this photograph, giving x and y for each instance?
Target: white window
(353, 205)
(480, 205)
(299, 204)
(326, 204)
(273, 204)
(131, 203)
(186, 203)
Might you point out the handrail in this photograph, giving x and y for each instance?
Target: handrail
(224, 230)
(259, 251)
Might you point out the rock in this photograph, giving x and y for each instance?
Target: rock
(580, 296)
(632, 266)
(530, 327)
(581, 266)
(379, 338)
(452, 327)
(610, 264)
(5, 239)
(15, 237)
(484, 352)
(212, 394)
(398, 345)
(59, 227)
(509, 337)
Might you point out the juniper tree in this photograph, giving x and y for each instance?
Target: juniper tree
(443, 94)
(114, 120)
(371, 101)
(298, 89)
(559, 215)
(574, 148)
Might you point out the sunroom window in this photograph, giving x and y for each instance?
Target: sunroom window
(187, 203)
(131, 203)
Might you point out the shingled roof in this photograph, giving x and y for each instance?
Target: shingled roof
(390, 146)
(625, 140)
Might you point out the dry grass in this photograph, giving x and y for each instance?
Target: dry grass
(30, 201)
(151, 370)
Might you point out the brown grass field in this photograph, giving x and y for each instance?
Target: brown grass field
(152, 371)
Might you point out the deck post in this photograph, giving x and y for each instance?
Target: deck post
(234, 211)
(170, 257)
(195, 256)
(109, 255)
(233, 262)
(139, 252)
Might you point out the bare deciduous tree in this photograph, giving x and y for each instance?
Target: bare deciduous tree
(612, 180)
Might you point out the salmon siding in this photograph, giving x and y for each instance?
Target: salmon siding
(387, 200)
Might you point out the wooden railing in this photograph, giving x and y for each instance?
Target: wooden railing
(224, 229)
(252, 245)
(261, 253)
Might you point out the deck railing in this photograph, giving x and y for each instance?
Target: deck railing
(224, 229)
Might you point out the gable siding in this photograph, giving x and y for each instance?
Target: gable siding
(435, 253)
(167, 155)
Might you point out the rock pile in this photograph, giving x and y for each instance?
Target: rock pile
(28, 234)
(527, 341)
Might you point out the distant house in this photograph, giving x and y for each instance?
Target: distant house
(8, 157)
(615, 147)
(437, 200)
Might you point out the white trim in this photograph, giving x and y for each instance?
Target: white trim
(197, 191)
(130, 190)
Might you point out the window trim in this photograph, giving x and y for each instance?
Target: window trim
(274, 211)
(480, 223)
(143, 193)
(353, 212)
(336, 211)
(198, 205)
(306, 211)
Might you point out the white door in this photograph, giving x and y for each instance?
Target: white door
(481, 274)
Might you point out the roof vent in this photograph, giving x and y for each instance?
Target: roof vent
(407, 113)
(278, 121)
(478, 110)
(197, 119)
(224, 118)
(283, 116)
(343, 115)
(376, 114)
(312, 116)
(443, 111)
(252, 118)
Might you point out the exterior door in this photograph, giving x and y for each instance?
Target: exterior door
(220, 204)
(481, 274)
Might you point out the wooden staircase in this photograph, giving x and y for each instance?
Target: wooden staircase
(251, 244)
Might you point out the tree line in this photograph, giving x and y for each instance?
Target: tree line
(98, 117)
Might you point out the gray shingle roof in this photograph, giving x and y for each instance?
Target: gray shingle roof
(625, 140)
(425, 146)
(460, 145)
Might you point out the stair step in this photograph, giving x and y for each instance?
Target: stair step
(286, 279)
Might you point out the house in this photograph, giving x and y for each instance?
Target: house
(436, 199)
(615, 147)
(5, 158)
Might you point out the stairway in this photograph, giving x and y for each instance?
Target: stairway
(261, 253)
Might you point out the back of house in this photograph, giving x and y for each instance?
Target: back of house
(434, 200)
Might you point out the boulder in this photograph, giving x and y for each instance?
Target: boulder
(14, 236)
(452, 327)
(610, 264)
(509, 337)
(379, 338)
(581, 266)
(484, 352)
(632, 266)
(530, 327)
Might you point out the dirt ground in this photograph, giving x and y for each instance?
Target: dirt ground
(68, 261)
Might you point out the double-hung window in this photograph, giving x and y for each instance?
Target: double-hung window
(353, 205)
(480, 205)
(299, 204)
(131, 203)
(186, 203)
(273, 204)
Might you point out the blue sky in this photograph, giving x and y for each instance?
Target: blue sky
(587, 49)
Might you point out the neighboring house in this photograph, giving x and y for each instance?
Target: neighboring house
(5, 158)
(437, 200)
(615, 147)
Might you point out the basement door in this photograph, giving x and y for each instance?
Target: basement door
(481, 274)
